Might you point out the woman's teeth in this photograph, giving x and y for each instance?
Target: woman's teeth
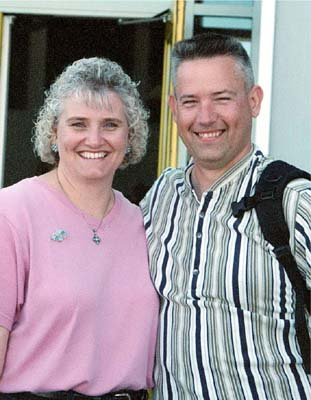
(89, 155)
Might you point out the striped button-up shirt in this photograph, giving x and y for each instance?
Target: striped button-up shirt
(226, 327)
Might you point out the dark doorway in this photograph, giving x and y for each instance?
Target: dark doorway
(42, 46)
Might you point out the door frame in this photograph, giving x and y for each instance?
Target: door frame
(5, 35)
(94, 8)
(172, 152)
(126, 11)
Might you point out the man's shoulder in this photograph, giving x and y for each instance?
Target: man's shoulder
(298, 190)
(282, 168)
(164, 187)
(174, 173)
(170, 176)
(295, 178)
(289, 181)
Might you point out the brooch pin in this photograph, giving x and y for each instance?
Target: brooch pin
(59, 235)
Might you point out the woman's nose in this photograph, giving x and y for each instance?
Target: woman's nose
(95, 137)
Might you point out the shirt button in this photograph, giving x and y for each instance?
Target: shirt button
(201, 215)
(195, 272)
(199, 235)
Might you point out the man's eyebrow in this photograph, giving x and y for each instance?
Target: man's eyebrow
(218, 93)
(225, 91)
(186, 96)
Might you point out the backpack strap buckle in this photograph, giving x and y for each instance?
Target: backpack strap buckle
(245, 204)
(282, 251)
(249, 202)
(268, 195)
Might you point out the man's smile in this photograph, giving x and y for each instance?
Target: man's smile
(209, 134)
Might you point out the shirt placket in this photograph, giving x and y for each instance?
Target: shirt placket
(196, 264)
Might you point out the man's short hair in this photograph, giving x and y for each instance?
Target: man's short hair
(209, 45)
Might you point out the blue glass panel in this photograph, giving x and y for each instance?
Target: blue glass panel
(227, 23)
(226, 2)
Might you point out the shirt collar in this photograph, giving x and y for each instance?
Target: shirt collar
(240, 168)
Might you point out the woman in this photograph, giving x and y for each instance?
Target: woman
(78, 312)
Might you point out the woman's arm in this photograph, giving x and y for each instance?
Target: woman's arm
(4, 336)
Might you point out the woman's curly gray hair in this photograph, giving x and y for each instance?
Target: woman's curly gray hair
(91, 79)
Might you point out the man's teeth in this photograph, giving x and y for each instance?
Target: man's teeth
(210, 134)
(88, 155)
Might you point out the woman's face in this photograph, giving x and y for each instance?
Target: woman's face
(92, 140)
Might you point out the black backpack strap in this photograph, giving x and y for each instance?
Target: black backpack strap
(267, 201)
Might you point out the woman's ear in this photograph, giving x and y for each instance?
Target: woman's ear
(53, 143)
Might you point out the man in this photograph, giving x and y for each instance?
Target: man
(227, 315)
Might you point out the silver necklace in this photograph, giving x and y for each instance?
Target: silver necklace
(95, 238)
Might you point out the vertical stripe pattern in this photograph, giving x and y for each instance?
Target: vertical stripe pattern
(227, 307)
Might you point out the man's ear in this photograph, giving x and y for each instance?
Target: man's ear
(255, 97)
(172, 102)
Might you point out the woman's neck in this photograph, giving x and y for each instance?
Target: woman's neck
(91, 197)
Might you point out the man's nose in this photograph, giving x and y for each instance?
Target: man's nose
(207, 113)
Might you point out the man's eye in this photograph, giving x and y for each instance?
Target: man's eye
(188, 102)
(223, 98)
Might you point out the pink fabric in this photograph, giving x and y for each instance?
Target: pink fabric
(82, 316)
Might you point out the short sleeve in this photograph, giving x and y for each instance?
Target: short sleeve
(11, 273)
(298, 214)
(303, 235)
(147, 204)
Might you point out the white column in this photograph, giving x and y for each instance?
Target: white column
(265, 71)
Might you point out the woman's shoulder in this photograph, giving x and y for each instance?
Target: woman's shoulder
(120, 198)
(126, 205)
(17, 189)
(18, 195)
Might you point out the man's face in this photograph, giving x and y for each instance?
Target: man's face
(214, 111)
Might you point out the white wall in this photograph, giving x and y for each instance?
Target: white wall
(291, 86)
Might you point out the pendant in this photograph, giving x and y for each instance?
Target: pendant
(96, 239)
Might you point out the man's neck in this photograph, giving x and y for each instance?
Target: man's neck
(202, 180)
(204, 176)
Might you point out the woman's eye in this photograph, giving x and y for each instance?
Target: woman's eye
(78, 124)
(110, 125)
